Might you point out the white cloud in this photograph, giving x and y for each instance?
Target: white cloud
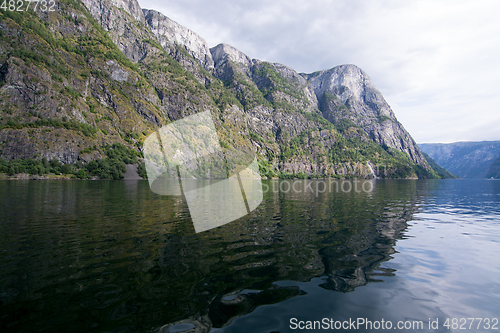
(436, 63)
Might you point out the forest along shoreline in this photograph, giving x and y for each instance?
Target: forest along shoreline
(130, 174)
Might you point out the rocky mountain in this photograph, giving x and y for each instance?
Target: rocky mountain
(96, 73)
(348, 89)
(465, 159)
(170, 33)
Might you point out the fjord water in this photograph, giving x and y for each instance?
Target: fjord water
(111, 256)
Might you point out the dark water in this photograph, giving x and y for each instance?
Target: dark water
(111, 256)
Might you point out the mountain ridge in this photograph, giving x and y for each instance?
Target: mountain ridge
(157, 71)
(465, 159)
(224, 52)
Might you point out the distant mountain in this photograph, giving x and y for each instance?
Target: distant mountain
(100, 73)
(464, 159)
(494, 171)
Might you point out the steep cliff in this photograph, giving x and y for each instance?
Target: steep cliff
(123, 20)
(171, 33)
(346, 92)
(66, 87)
(87, 76)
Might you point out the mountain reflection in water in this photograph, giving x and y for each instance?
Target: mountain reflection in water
(103, 256)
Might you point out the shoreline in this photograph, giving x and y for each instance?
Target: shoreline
(130, 174)
(25, 176)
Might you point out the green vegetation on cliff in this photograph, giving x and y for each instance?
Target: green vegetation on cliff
(442, 172)
(113, 167)
(72, 103)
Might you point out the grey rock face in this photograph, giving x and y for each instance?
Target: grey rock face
(343, 92)
(15, 145)
(117, 72)
(98, 7)
(360, 102)
(228, 60)
(119, 18)
(351, 85)
(232, 64)
(353, 88)
(295, 78)
(170, 32)
(302, 97)
(224, 52)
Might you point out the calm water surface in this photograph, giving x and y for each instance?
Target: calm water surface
(111, 256)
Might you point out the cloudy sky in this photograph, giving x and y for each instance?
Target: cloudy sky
(435, 62)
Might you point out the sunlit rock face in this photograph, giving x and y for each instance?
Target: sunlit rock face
(170, 32)
(117, 17)
(347, 92)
